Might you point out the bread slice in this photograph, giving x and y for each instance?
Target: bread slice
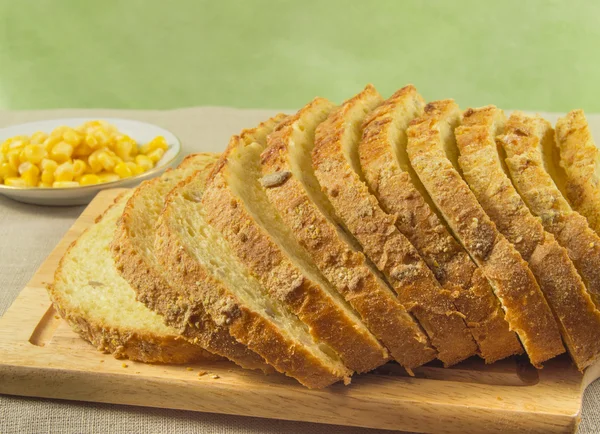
(101, 307)
(529, 145)
(311, 218)
(392, 180)
(135, 257)
(565, 292)
(433, 154)
(337, 168)
(263, 243)
(208, 276)
(580, 161)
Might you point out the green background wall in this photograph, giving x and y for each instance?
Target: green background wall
(536, 55)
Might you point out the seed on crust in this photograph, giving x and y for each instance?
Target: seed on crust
(274, 179)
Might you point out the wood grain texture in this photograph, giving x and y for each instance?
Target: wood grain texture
(508, 396)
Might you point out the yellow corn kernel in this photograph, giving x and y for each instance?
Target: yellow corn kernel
(43, 184)
(82, 151)
(8, 171)
(15, 182)
(79, 167)
(38, 138)
(92, 141)
(156, 155)
(3, 158)
(144, 161)
(108, 177)
(124, 148)
(92, 124)
(138, 170)
(71, 137)
(61, 152)
(158, 142)
(28, 167)
(47, 177)
(13, 157)
(123, 170)
(4, 146)
(135, 169)
(94, 160)
(65, 184)
(64, 172)
(107, 160)
(48, 164)
(31, 179)
(89, 179)
(59, 131)
(98, 138)
(16, 142)
(33, 153)
(111, 129)
(50, 142)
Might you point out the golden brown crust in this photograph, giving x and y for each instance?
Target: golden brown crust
(391, 252)
(133, 345)
(154, 289)
(566, 294)
(482, 169)
(204, 292)
(527, 312)
(394, 187)
(138, 345)
(200, 161)
(285, 281)
(580, 159)
(344, 267)
(524, 138)
(571, 303)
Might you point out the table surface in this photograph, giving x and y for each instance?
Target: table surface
(29, 233)
(534, 54)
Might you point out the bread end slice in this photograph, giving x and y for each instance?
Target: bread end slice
(101, 307)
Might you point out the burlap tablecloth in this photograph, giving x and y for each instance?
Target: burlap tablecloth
(28, 234)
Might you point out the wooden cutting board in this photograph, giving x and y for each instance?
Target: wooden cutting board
(41, 356)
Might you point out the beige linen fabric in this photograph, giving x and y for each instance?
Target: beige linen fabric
(27, 235)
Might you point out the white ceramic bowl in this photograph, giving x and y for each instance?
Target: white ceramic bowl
(141, 132)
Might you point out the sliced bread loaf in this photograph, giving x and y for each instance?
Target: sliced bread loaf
(98, 304)
(580, 160)
(337, 168)
(433, 155)
(311, 218)
(207, 276)
(529, 145)
(135, 257)
(558, 279)
(266, 246)
(399, 191)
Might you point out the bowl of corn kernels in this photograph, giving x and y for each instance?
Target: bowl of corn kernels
(68, 161)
